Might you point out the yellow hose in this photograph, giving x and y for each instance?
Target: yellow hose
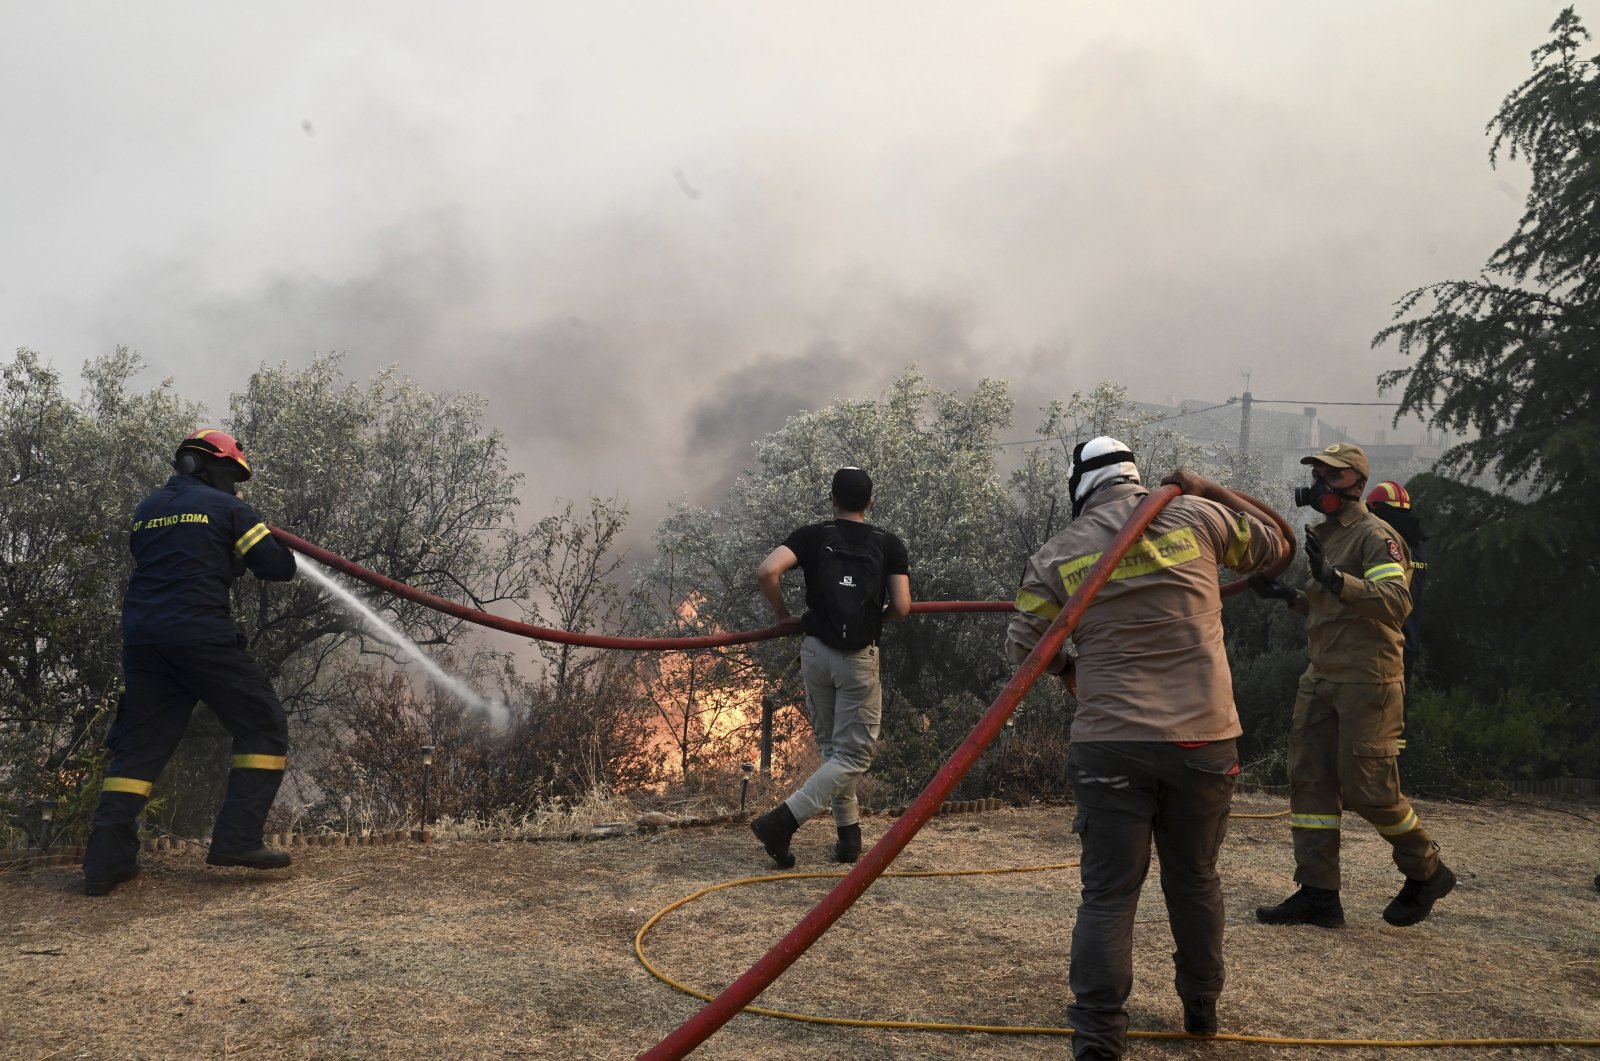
(1006, 1029)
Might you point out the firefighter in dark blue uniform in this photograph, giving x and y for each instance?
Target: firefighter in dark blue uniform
(190, 540)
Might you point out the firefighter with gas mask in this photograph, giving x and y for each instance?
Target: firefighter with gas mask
(190, 540)
(1349, 712)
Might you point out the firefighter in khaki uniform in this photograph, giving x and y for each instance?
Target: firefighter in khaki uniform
(1153, 754)
(190, 540)
(1348, 715)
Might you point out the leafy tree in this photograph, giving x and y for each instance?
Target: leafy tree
(574, 564)
(71, 469)
(404, 481)
(398, 479)
(967, 524)
(1510, 361)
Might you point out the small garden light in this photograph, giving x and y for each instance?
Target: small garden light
(744, 784)
(47, 811)
(427, 765)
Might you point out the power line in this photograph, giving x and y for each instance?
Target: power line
(1288, 401)
(1156, 420)
(1221, 405)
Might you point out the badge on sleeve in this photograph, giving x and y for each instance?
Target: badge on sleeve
(1394, 550)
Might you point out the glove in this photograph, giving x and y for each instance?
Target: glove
(1271, 589)
(1321, 570)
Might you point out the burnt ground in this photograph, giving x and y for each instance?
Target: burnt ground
(470, 948)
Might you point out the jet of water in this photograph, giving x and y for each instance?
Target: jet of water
(499, 717)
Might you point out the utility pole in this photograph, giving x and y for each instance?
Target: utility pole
(1244, 433)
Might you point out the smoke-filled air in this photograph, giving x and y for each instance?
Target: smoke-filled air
(438, 438)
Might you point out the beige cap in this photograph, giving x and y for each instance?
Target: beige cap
(1342, 455)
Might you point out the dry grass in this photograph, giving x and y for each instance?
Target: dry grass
(472, 948)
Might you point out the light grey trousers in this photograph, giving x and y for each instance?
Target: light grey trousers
(845, 701)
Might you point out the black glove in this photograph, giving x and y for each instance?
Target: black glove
(1321, 570)
(1271, 589)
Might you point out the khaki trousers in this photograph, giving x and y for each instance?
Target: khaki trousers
(1343, 752)
(845, 702)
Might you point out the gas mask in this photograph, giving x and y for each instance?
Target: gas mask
(1322, 497)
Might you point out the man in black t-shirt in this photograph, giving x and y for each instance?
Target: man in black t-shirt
(857, 576)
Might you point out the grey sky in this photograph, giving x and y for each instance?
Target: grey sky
(651, 230)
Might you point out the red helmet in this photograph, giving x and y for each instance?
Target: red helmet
(217, 444)
(1389, 492)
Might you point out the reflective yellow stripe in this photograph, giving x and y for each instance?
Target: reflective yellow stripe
(1147, 556)
(1404, 825)
(248, 540)
(1401, 744)
(259, 762)
(1034, 604)
(1240, 543)
(1383, 572)
(131, 785)
(1314, 821)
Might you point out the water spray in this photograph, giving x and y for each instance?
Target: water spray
(499, 717)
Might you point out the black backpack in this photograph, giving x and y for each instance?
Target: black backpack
(850, 579)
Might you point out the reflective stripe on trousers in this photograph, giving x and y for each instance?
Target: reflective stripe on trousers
(1344, 745)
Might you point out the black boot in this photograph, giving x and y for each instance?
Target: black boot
(243, 816)
(1417, 897)
(848, 849)
(103, 885)
(774, 829)
(1200, 1016)
(1308, 906)
(256, 858)
(112, 856)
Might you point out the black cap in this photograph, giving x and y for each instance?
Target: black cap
(852, 489)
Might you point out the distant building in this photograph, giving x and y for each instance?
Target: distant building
(1390, 460)
(1279, 439)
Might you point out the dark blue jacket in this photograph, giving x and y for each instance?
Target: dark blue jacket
(186, 539)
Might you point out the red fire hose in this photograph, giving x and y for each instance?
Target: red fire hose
(700, 1027)
(571, 637)
(697, 1029)
(760, 976)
